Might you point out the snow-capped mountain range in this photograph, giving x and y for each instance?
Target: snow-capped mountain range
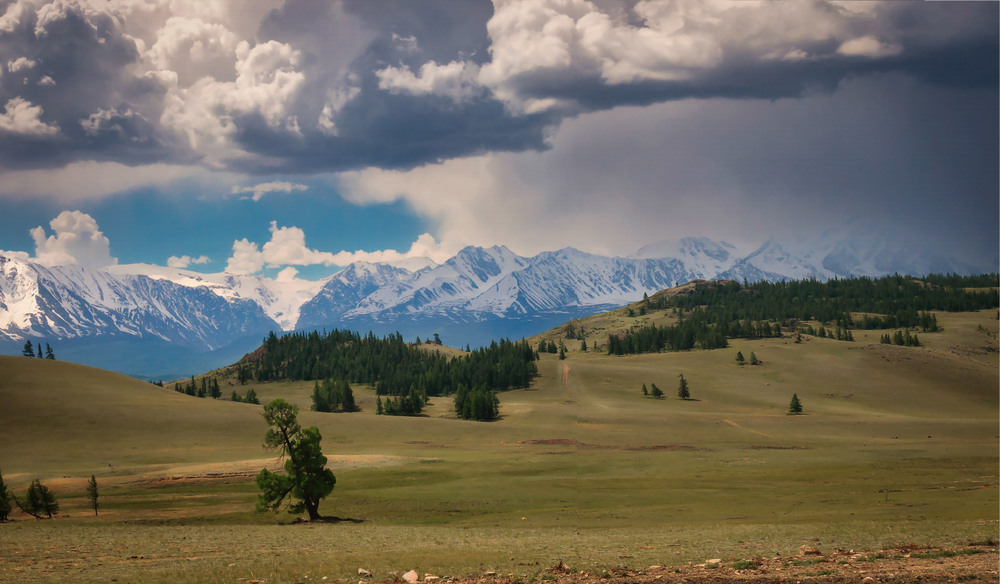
(479, 294)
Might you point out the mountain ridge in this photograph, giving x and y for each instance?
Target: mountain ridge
(474, 295)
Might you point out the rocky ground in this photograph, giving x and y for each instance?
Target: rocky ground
(969, 565)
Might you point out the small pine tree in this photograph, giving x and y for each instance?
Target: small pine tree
(5, 507)
(740, 359)
(38, 501)
(753, 358)
(48, 353)
(562, 351)
(795, 406)
(251, 397)
(235, 397)
(378, 407)
(583, 345)
(645, 391)
(29, 349)
(657, 392)
(682, 389)
(92, 493)
(214, 390)
(320, 399)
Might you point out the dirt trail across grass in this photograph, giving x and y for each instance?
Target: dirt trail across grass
(237, 470)
(738, 427)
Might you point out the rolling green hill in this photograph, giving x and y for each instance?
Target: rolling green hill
(897, 445)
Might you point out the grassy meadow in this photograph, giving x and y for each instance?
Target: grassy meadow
(897, 445)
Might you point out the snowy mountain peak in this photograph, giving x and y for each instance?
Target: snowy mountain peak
(702, 256)
(478, 285)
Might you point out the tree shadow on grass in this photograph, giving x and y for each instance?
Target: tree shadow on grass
(326, 519)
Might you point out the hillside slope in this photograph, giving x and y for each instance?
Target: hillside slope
(897, 447)
(61, 417)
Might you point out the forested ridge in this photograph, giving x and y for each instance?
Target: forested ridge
(392, 366)
(711, 312)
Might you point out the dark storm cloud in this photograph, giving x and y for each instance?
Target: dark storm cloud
(76, 67)
(327, 86)
(343, 46)
(938, 43)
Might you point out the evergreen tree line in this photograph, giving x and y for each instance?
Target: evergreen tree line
(833, 301)
(838, 334)
(333, 396)
(924, 320)
(692, 332)
(29, 351)
(207, 388)
(478, 404)
(249, 398)
(393, 367)
(902, 338)
(410, 404)
(710, 314)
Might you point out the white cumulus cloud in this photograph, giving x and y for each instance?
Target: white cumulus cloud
(267, 83)
(76, 240)
(21, 64)
(193, 49)
(186, 260)
(287, 247)
(21, 117)
(456, 80)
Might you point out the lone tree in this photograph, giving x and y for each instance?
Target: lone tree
(306, 480)
(29, 349)
(753, 358)
(795, 406)
(682, 389)
(38, 501)
(740, 359)
(5, 506)
(92, 493)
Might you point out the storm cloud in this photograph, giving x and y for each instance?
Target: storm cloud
(304, 86)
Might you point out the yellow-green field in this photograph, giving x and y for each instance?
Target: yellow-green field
(897, 446)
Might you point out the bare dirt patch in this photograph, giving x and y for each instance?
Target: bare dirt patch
(970, 565)
(216, 472)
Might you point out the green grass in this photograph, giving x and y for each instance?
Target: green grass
(744, 565)
(947, 553)
(897, 447)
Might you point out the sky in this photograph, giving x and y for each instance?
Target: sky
(297, 136)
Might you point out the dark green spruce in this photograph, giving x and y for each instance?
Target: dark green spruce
(713, 312)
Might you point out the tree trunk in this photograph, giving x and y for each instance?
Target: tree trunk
(312, 507)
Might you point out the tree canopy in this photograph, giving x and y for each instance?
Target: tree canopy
(306, 480)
